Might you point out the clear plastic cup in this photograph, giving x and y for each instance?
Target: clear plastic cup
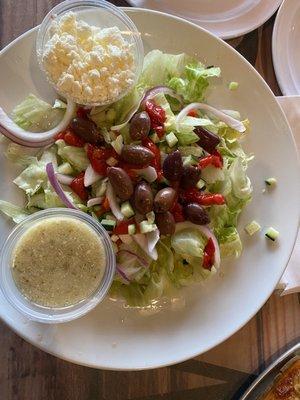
(51, 314)
(98, 13)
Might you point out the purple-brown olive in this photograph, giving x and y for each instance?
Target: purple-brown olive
(140, 126)
(165, 223)
(164, 200)
(207, 140)
(196, 214)
(190, 176)
(86, 130)
(137, 155)
(121, 182)
(172, 166)
(143, 198)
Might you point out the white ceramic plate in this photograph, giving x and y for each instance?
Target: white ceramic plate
(226, 19)
(285, 46)
(114, 338)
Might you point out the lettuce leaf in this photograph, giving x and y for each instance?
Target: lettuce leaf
(18, 214)
(193, 83)
(160, 67)
(76, 156)
(35, 115)
(189, 242)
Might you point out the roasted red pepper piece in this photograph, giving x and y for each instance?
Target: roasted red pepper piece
(156, 113)
(204, 199)
(177, 212)
(214, 159)
(156, 162)
(129, 168)
(160, 131)
(73, 140)
(157, 116)
(209, 254)
(77, 185)
(122, 227)
(193, 113)
(70, 138)
(98, 156)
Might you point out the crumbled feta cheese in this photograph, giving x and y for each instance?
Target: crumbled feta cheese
(87, 63)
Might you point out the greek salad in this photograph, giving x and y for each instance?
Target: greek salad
(161, 169)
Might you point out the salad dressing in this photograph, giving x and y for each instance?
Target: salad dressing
(58, 262)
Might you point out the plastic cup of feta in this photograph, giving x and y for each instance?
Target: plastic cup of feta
(101, 14)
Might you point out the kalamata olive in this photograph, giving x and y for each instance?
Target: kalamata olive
(165, 223)
(196, 214)
(164, 200)
(207, 140)
(86, 130)
(121, 183)
(136, 154)
(140, 126)
(190, 176)
(143, 198)
(172, 166)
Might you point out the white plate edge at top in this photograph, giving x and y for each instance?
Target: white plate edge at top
(219, 30)
(280, 52)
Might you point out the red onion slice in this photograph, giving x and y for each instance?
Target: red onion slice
(149, 173)
(90, 176)
(142, 103)
(142, 241)
(94, 202)
(64, 179)
(206, 232)
(34, 139)
(112, 200)
(153, 238)
(160, 89)
(139, 258)
(122, 273)
(56, 186)
(227, 119)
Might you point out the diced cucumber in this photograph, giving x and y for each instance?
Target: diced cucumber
(272, 234)
(146, 227)
(131, 229)
(171, 139)
(111, 161)
(154, 137)
(252, 228)
(271, 181)
(108, 224)
(117, 144)
(150, 217)
(190, 160)
(127, 210)
(65, 169)
(233, 85)
(110, 217)
(201, 184)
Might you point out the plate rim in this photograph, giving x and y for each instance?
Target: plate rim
(193, 353)
(280, 71)
(222, 33)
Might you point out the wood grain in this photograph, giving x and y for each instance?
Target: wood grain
(27, 373)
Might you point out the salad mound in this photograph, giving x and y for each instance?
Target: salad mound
(160, 169)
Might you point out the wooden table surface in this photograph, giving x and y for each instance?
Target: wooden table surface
(27, 373)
